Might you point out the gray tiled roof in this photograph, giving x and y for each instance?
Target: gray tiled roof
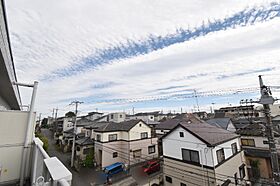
(85, 141)
(219, 122)
(122, 126)
(171, 123)
(211, 135)
(255, 129)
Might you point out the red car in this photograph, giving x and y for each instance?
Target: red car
(151, 166)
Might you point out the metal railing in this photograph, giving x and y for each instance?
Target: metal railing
(46, 170)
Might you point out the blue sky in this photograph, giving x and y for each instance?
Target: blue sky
(142, 54)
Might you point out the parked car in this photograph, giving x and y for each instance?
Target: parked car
(114, 169)
(151, 166)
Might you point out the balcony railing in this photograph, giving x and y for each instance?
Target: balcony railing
(46, 170)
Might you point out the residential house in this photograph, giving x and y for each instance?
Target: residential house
(129, 142)
(254, 142)
(94, 115)
(83, 147)
(116, 117)
(167, 125)
(224, 123)
(147, 117)
(198, 153)
(201, 115)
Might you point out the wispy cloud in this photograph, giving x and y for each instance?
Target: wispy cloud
(142, 53)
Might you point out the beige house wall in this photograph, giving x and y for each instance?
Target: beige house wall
(230, 167)
(191, 175)
(121, 147)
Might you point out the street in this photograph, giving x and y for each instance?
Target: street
(90, 176)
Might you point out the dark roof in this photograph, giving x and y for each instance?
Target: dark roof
(85, 141)
(147, 113)
(219, 122)
(69, 131)
(210, 135)
(171, 123)
(122, 126)
(91, 113)
(95, 125)
(83, 122)
(255, 129)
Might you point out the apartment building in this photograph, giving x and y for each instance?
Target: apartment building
(22, 157)
(202, 154)
(129, 142)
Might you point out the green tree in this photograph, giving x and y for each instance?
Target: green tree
(88, 162)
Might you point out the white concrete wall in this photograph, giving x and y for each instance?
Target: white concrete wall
(173, 143)
(227, 149)
(161, 132)
(67, 124)
(117, 117)
(13, 125)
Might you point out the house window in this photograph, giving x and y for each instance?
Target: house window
(183, 184)
(98, 137)
(190, 155)
(168, 179)
(137, 153)
(181, 134)
(140, 125)
(78, 148)
(248, 142)
(120, 116)
(220, 155)
(113, 137)
(151, 149)
(88, 133)
(115, 154)
(265, 142)
(242, 171)
(234, 148)
(86, 151)
(112, 116)
(144, 135)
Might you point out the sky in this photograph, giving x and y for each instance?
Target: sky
(165, 55)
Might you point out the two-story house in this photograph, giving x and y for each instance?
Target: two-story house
(129, 142)
(254, 142)
(196, 153)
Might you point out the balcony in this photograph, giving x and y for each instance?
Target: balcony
(47, 170)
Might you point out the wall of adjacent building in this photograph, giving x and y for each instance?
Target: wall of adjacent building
(3, 104)
(11, 146)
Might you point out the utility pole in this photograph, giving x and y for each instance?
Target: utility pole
(55, 117)
(195, 95)
(74, 132)
(266, 100)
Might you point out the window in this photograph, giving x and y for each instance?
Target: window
(98, 137)
(181, 134)
(234, 148)
(190, 155)
(113, 137)
(88, 133)
(248, 142)
(137, 153)
(78, 148)
(265, 142)
(115, 154)
(220, 155)
(151, 149)
(183, 184)
(112, 116)
(86, 151)
(242, 171)
(140, 125)
(168, 179)
(144, 135)
(120, 116)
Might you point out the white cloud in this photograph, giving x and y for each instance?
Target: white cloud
(51, 35)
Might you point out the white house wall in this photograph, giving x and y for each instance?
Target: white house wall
(173, 143)
(259, 141)
(135, 132)
(227, 149)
